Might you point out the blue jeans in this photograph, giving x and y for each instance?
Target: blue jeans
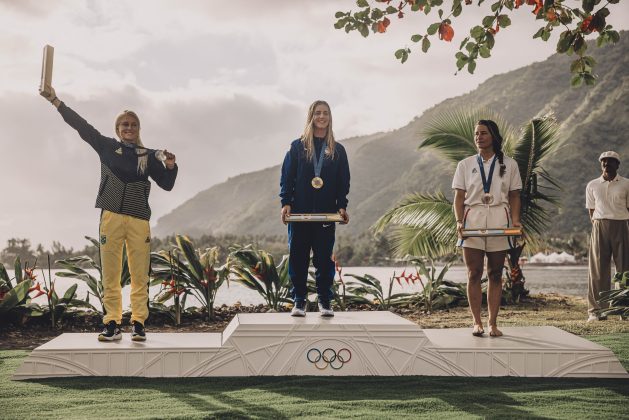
(318, 237)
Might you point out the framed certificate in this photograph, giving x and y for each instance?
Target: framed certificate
(512, 231)
(45, 86)
(314, 217)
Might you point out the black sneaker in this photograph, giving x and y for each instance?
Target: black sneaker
(138, 333)
(111, 332)
(325, 309)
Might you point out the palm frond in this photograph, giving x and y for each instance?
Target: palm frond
(423, 225)
(452, 133)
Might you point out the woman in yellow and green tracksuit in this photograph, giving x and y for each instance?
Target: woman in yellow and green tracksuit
(123, 197)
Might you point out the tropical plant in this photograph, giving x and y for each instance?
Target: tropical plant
(256, 269)
(74, 267)
(423, 223)
(368, 290)
(12, 296)
(436, 292)
(617, 299)
(198, 274)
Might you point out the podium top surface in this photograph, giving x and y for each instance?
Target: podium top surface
(155, 341)
(515, 338)
(313, 318)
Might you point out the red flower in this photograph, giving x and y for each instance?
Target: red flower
(518, 3)
(382, 25)
(446, 32)
(586, 24)
(551, 15)
(28, 273)
(400, 14)
(539, 5)
(36, 287)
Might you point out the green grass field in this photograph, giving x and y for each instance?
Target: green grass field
(280, 398)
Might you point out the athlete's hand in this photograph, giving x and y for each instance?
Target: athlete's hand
(285, 213)
(345, 216)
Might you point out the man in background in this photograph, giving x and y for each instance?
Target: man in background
(607, 199)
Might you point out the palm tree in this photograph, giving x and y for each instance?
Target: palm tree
(423, 223)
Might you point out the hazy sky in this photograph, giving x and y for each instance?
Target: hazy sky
(223, 84)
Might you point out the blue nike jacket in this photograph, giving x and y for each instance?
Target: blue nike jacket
(297, 173)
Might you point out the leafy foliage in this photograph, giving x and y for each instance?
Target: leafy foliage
(578, 24)
(256, 269)
(198, 273)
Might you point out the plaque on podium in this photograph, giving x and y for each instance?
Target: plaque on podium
(483, 233)
(45, 87)
(314, 217)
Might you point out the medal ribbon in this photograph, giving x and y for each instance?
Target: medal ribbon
(318, 164)
(486, 183)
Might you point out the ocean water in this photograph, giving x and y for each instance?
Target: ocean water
(566, 280)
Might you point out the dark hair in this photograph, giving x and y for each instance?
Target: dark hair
(496, 142)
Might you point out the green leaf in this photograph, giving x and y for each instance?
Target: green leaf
(589, 78)
(339, 15)
(440, 13)
(69, 294)
(471, 66)
(390, 10)
(432, 29)
(565, 41)
(362, 3)
(539, 33)
(17, 268)
(545, 35)
(467, 38)
(339, 24)
(504, 21)
(488, 21)
(495, 6)
(484, 52)
(490, 40)
(14, 296)
(457, 10)
(4, 275)
(364, 30)
(425, 44)
(399, 53)
(416, 38)
(477, 31)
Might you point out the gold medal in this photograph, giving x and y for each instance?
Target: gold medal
(487, 198)
(317, 182)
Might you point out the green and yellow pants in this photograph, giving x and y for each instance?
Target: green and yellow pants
(117, 230)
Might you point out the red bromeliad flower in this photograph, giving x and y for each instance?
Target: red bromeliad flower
(28, 273)
(36, 287)
(518, 3)
(210, 274)
(446, 32)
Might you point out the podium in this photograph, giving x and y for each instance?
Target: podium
(349, 344)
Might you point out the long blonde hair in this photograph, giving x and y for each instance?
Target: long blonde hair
(307, 138)
(140, 150)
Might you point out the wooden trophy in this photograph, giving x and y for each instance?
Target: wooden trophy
(45, 87)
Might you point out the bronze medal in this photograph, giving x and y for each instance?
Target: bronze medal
(487, 198)
(316, 182)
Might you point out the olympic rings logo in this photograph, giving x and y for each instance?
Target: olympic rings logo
(329, 357)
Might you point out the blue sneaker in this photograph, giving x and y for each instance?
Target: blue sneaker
(111, 332)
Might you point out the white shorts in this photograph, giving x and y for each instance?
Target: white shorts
(483, 217)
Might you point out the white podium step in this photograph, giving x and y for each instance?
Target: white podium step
(351, 343)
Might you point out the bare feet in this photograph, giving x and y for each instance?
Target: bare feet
(478, 330)
(494, 331)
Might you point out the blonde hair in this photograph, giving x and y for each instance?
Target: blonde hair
(140, 150)
(307, 138)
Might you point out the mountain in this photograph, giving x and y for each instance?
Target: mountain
(385, 166)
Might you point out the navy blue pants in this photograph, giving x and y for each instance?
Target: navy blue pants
(318, 237)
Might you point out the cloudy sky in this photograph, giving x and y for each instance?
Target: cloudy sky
(223, 84)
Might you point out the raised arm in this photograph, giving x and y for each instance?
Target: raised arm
(74, 120)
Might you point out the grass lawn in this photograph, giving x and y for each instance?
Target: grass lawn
(308, 397)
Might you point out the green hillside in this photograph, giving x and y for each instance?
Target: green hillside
(386, 166)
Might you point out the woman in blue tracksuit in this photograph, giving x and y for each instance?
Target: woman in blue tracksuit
(315, 179)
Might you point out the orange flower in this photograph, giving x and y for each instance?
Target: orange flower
(382, 25)
(551, 15)
(28, 273)
(518, 3)
(446, 33)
